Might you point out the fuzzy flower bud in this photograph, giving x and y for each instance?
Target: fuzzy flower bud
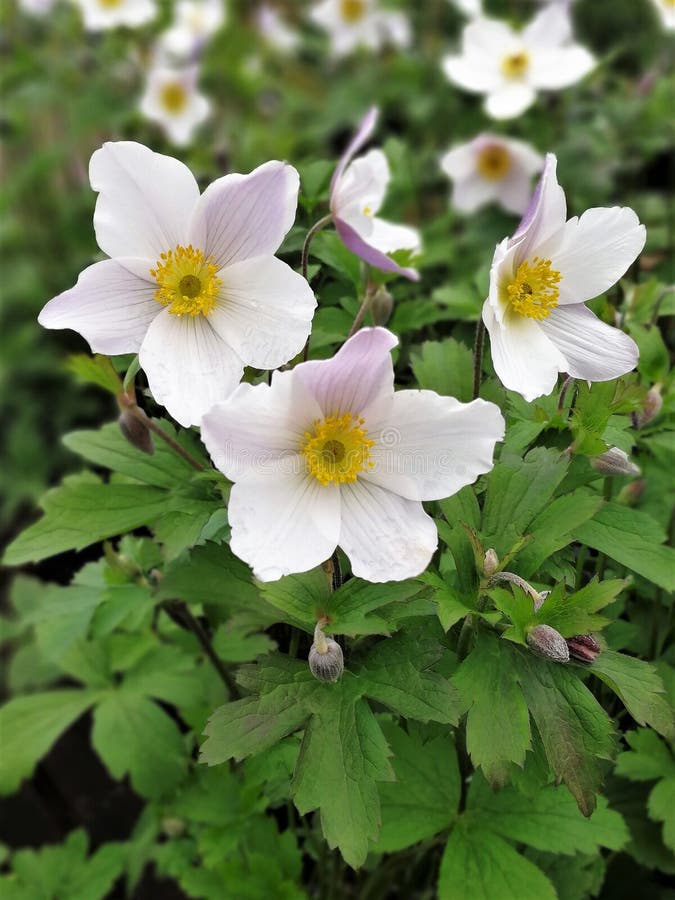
(326, 662)
(381, 306)
(490, 562)
(614, 462)
(583, 647)
(546, 641)
(651, 409)
(136, 432)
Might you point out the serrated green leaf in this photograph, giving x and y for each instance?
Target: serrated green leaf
(351, 607)
(95, 369)
(304, 597)
(648, 759)
(575, 613)
(638, 686)
(661, 808)
(212, 575)
(445, 367)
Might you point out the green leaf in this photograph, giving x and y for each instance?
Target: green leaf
(302, 597)
(30, 725)
(212, 575)
(425, 796)
(639, 687)
(648, 759)
(350, 609)
(497, 726)
(445, 367)
(633, 539)
(661, 808)
(97, 370)
(479, 865)
(575, 614)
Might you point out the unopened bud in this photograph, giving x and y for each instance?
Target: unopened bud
(631, 493)
(651, 409)
(490, 562)
(136, 432)
(615, 462)
(381, 306)
(173, 827)
(547, 642)
(583, 647)
(326, 662)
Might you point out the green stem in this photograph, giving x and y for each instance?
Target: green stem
(316, 227)
(142, 417)
(478, 357)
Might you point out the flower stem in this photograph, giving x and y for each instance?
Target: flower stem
(316, 227)
(478, 357)
(359, 317)
(567, 384)
(139, 414)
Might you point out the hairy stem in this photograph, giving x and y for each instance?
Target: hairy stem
(142, 417)
(316, 227)
(478, 357)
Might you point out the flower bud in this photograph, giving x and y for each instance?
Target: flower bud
(547, 642)
(326, 662)
(490, 562)
(631, 493)
(136, 432)
(583, 647)
(381, 306)
(651, 409)
(615, 462)
(173, 827)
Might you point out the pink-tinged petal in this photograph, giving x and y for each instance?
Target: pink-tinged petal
(429, 447)
(261, 429)
(145, 200)
(546, 213)
(509, 101)
(592, 350)
(110, 306)
(460, 161)
(471, 193)
(363, 134)
(593, 251)
(386, 537)
(524, 358)
(265, 311)
(558, 68)
(242, 216)
(360, 373)
(550, 28)
(189, 367)
(363, 184)
(283, 524)
(515, 192)
(354, 242)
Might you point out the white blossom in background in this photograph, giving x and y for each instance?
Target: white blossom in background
(329, 455)
(540, 280)
(492, 169)
(36, 7)
(666, 9)
(471, 8)
(510, 66)
(275, 31)
(172, 100)
(194, 24)
(192, 284)
(97, 15)
(360, 23)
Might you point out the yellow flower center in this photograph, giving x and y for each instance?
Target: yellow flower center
(534, 292)
(337, 449)
(187, 283)
(352, 10)
(494, 162)
(109, 4)
(173, 97)
(515, 64)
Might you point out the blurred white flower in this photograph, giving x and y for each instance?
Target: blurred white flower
(194, 23)
(510, 66)
(275, 31)
(470, 8)
(540, 280)
(98, 15)
(360, 23)
(491, 168)
(192, 284)
(666, 9)
(329, 455)
(36, 7)
(172, 100)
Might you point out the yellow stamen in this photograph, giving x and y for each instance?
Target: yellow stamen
(352, 10)
(187, 283)
(494, 162)
(534, 292)
(109, 4)
(516, 64)
(337, 449)
(173, 97)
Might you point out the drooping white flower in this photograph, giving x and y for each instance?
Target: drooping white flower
(192, 285)
(510, 66)
(491, 168)
(101, 14)
(666, 9)
(329, 455)
(194, 23)
(540, 281)
(172, 100)
(275, 31)
(360, 23)
(357, 192)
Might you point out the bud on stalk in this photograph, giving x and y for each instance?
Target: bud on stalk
(326, 662)
(490, 562)
(615, 462)
(549, 643)
(381, 306)
(583, 647)
(136, 432)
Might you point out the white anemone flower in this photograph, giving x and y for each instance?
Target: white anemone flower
(98, 15)
(329, 455)
(510, 66)
(275, 31)
(492, 169)
(360, 23)
(194, 23)
(666, 9)
(172, 100)
(540, 280)
(192, 284)
(36, 7)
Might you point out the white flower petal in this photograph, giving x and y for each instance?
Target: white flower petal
(242, 216)
(593, 251)
(524, 358)
(386, 537)
(593, 350)
(429, 447)
(515, 191)
(110, 306)
(546, 214)
(264, 312)
(364, 182)
(359, 374)
(550, 28)
(388, 237)
(470, 194)
(285, 524)
(560, 67)
(145, 200)
(489, 37)
(509, 100)
(477, 77)
(189, 367)
(460, 161)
